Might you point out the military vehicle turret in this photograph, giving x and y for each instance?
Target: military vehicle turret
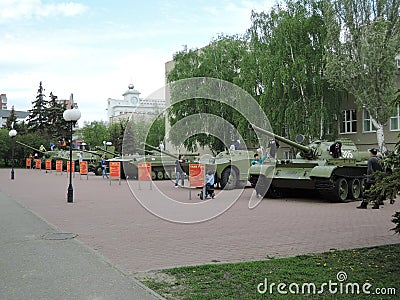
(315, 168)
(163, 162)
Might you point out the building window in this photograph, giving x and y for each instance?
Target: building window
(349, 121)
(395, 119)
(367, 125)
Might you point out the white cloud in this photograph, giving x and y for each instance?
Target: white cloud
(12, 10)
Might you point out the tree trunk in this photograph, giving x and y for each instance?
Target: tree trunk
(321, 120)
(380, 136)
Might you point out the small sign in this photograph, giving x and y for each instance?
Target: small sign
(48, 164)
(37, 164)
(144, 169)
(59, 164)
(28, 162)
(73, 167)
(196, 175)
(115, 169)
(83, 168)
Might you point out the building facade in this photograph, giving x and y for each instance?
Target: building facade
(3, 101)
(5, 114)
(132, 105)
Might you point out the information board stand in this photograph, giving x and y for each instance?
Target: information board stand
(38, 164)
(48, 165)
(28, 163)
(144, 172)
(83, 169)
(196, 178)
(59, 165)
(115, 171)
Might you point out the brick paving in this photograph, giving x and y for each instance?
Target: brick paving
(110, 220)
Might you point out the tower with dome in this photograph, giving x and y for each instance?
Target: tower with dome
(132, 104)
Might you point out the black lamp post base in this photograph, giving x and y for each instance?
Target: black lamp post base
(70, 195)
(12, 174)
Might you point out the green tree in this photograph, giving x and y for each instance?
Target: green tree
(220, 59)
(5, 146)
(116, 134)
(288, 71)
(38, 119)
(58, 127)
(12, 120)
(363, 39)
(156, 132)
(94, 133)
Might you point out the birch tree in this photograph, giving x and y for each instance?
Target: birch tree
(364, 38)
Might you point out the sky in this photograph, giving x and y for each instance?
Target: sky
(95, 49)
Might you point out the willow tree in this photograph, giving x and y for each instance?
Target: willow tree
(364, 38)
(289, 45)
(220, 59)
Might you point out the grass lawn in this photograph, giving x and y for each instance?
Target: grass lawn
(376, 269)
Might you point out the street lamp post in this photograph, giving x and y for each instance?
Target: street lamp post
(71, 115)
(12, 133)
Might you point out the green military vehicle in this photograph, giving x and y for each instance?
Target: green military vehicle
(92, 157)
(231, 168)
(314, 169)
(163, 162)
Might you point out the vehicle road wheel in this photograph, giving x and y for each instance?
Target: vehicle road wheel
(153, 175)
(98, 170)
(160, 175)
(341, 189)
(229, 179)
(355, 189)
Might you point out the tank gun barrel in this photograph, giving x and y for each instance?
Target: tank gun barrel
(303, 148)
(158, 150)
(106, 151)
(30, 147)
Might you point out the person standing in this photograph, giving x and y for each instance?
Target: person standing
(373, 166)
(104, 166)
(336, 149)
(161, 146)
(179, 170)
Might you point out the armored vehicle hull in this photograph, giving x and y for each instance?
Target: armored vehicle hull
(231, 168)
(338, 179)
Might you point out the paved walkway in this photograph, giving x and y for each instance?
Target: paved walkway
(37, 262)
(110, 220)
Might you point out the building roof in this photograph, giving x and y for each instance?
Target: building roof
(5, 113)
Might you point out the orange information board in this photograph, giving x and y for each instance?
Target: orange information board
(83, 168)
(37, 163)
(144, 169)
(115, 169)
(73, 167)
(196, 175)
(48, 164)
(59, 164)
(28, 162)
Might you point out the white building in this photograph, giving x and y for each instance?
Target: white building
(141, 109)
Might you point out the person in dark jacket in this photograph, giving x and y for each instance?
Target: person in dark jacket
(179, 170)
(336, 149)
(373, 166)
